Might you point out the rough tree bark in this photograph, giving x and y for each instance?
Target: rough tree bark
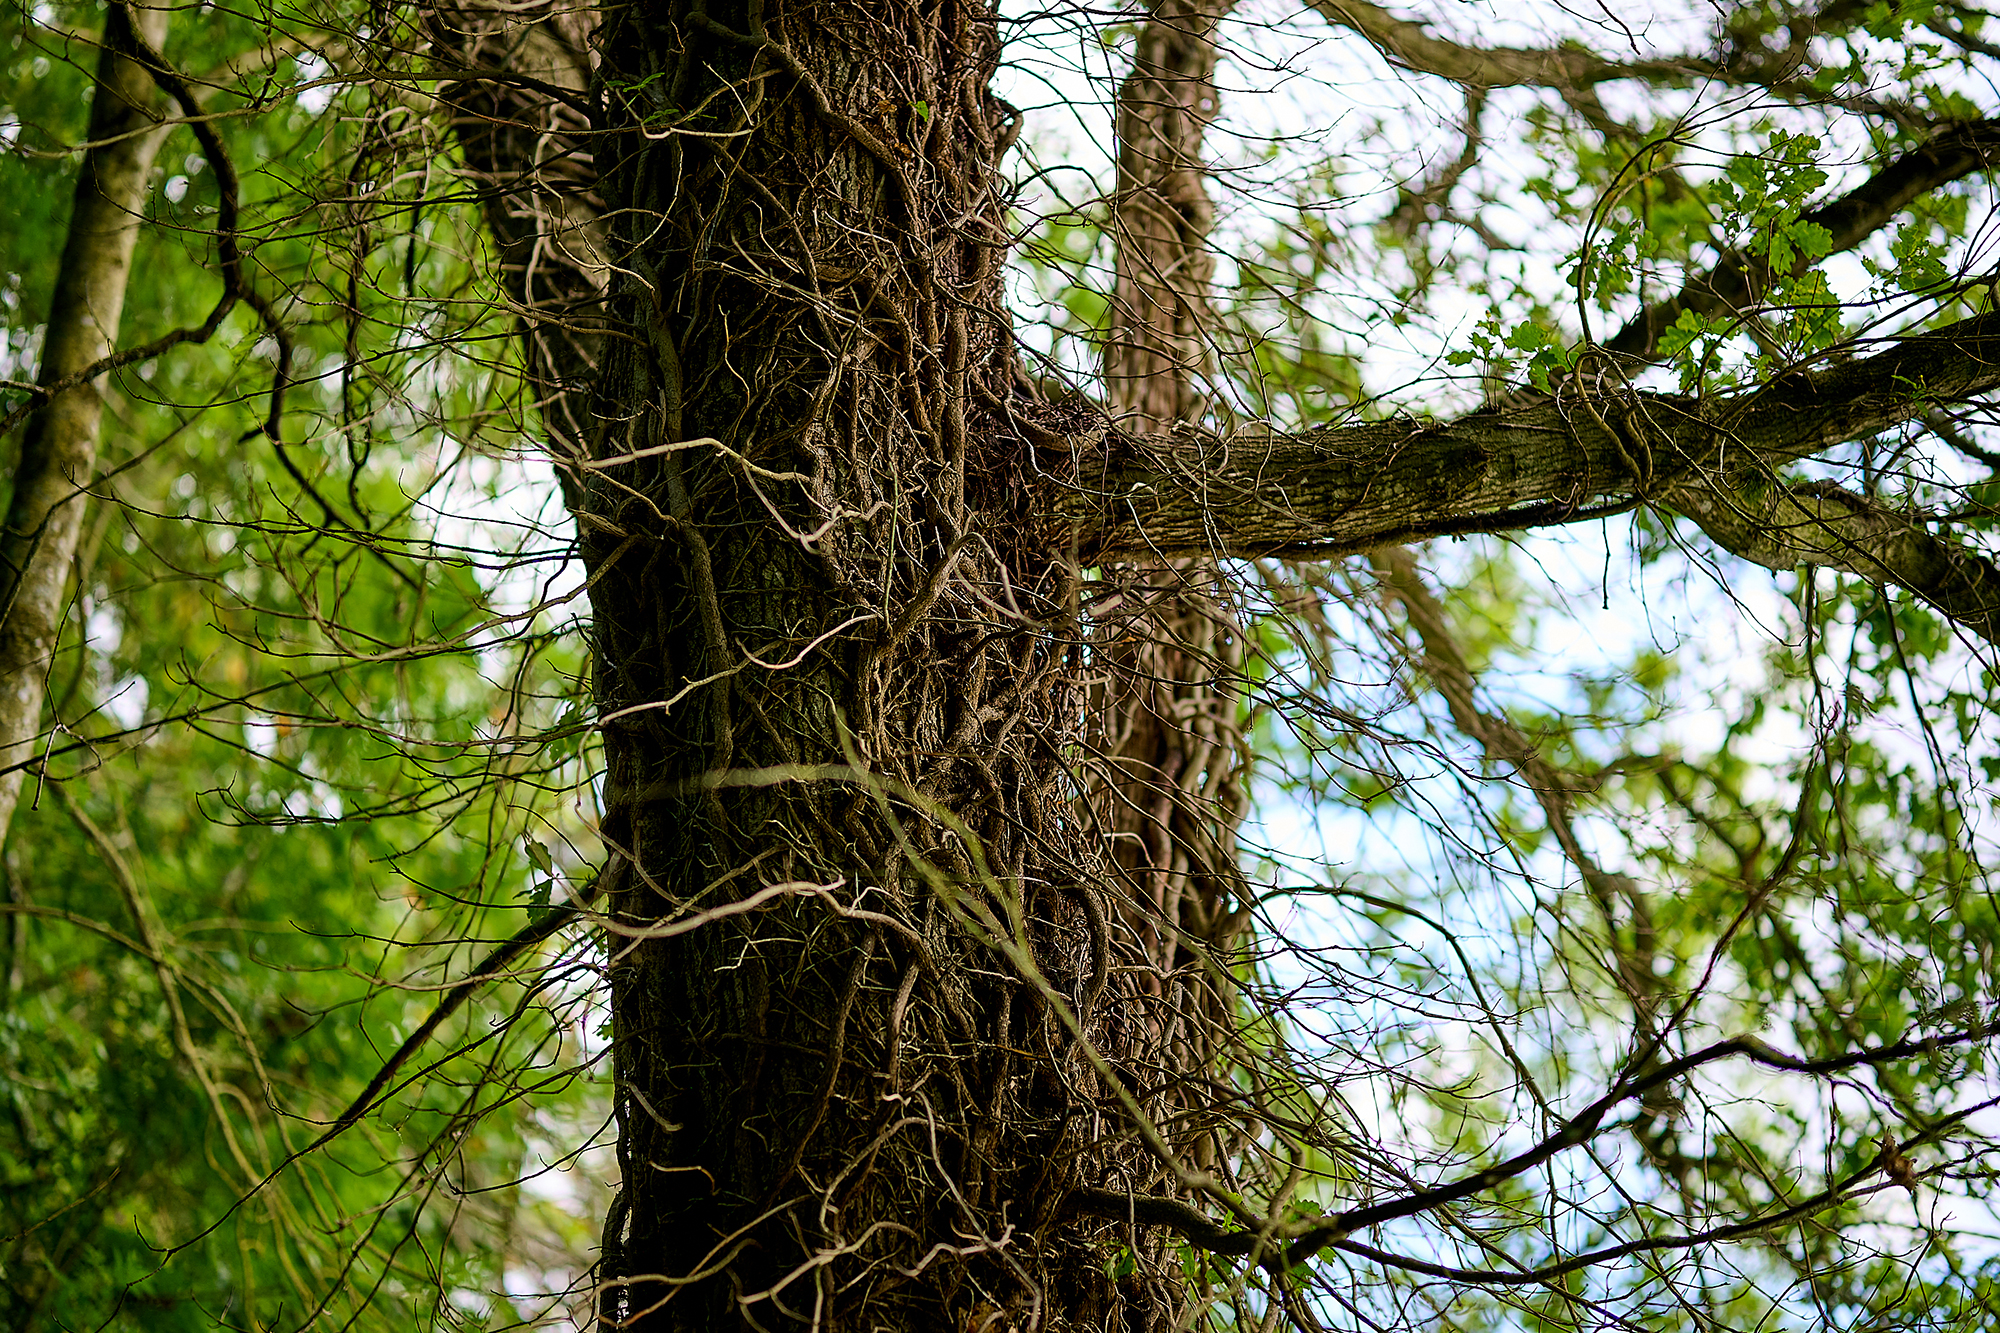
(852, 935)
(859, 914)
(1585, 452)
(910, 1003)
(1170, 656)
(59, 448)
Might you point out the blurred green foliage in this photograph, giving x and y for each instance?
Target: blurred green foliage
(308, 751)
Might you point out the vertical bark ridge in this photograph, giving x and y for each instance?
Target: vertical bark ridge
(1170, 713)
(840, 684)
(1158, 345)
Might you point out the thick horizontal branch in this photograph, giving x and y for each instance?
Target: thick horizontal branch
(1818, 523)
(1569, 68)
(1576, 455)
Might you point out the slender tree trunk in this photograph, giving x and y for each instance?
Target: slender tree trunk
(841, 690)
(59, 446)
(1169, 716)
(1161, 324)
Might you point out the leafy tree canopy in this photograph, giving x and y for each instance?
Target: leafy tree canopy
(1579, 451)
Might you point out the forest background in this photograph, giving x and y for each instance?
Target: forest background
(1589, 893)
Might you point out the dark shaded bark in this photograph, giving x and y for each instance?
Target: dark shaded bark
(839, 688)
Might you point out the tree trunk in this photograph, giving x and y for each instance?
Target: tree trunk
(1167, 712)
(530, 157)
(852, 925)
(59, 447)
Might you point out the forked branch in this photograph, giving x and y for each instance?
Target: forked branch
(1290, 1244)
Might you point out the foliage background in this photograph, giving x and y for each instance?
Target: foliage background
(319, 741)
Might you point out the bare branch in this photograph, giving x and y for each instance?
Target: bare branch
(496, 966)
(1504, 742)
(1819, 523)
(1569, 68)
(1963, 39)
(1306, 1239)
(1410, 45)
(1415, 206)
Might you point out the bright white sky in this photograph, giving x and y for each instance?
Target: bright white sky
(1298, 94)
